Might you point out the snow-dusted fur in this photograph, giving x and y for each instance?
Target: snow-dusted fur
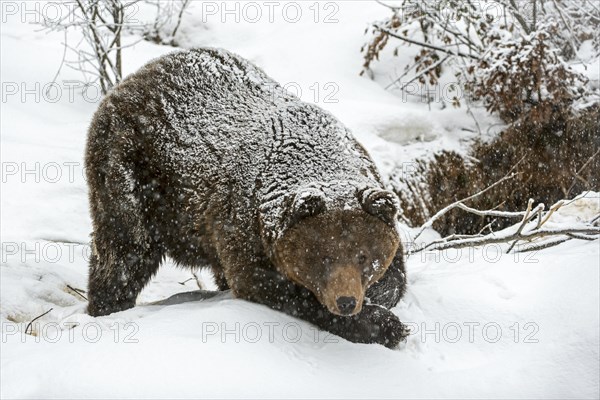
(202, 157)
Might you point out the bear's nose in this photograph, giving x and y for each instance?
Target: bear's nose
(346, 304)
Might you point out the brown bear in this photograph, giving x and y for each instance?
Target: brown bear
(200, 156)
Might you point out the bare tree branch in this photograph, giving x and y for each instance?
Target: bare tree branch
(525, 221)
(179, 18)
(495, 239)
(423, 44)
(422, 73)
(446, 209)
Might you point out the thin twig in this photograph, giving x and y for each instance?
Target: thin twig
(519, 17)
(196, 278)
(30, 324)
(416, 64)
(555, 207)
(425, 71)
(77, 291)
(184, 4)
(198, 282)
(488, 226)
(523, 223)
(393, 8)
(62, 62)
(426, 45)
(456, 203)
(580, 171)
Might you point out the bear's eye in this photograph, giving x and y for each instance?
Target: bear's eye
(362, 259)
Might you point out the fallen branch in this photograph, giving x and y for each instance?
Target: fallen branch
(491, 213)
(543, 246)
(492, 239)
(446, 209)
(584, 231)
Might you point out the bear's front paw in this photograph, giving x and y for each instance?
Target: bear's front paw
(374, 324)
(382, 326)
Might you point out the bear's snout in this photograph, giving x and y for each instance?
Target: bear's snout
(344, 292)
(346, 304)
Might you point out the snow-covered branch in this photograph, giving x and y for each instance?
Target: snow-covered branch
(514, 62)
(459, 204)
(527, 230)
(424, 44)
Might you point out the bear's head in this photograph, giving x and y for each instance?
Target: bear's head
(337, 252)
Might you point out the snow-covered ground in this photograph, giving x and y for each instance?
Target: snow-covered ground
(485, 324)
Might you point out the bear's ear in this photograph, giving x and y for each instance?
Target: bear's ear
(380, 203)
(307, 203)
